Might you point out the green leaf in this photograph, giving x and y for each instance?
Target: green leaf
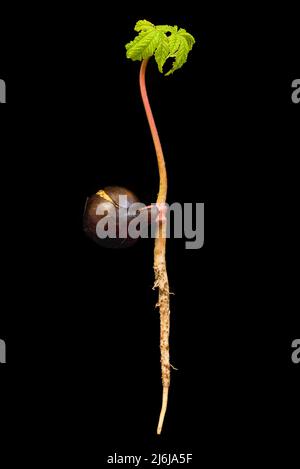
(174, 43)
(180, 44)
(143, 25)
(162, 52)
(162, 41)
(190, 39)
(144, 45)
(166, 28)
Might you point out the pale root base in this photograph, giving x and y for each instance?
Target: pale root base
(162, 283)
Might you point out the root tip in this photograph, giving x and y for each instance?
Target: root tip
(163, 410)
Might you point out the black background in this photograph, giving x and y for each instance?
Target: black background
(82, 334)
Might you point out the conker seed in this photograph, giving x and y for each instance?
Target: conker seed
(107, 200)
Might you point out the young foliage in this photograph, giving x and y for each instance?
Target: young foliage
(163, 42)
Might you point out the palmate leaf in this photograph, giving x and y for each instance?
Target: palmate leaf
(163, 42)
(180, 44)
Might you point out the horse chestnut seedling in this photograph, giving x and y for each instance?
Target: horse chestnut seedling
(112, 225)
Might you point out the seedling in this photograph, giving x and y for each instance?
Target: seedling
(164, 42)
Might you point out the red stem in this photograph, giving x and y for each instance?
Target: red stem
(163, 185)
